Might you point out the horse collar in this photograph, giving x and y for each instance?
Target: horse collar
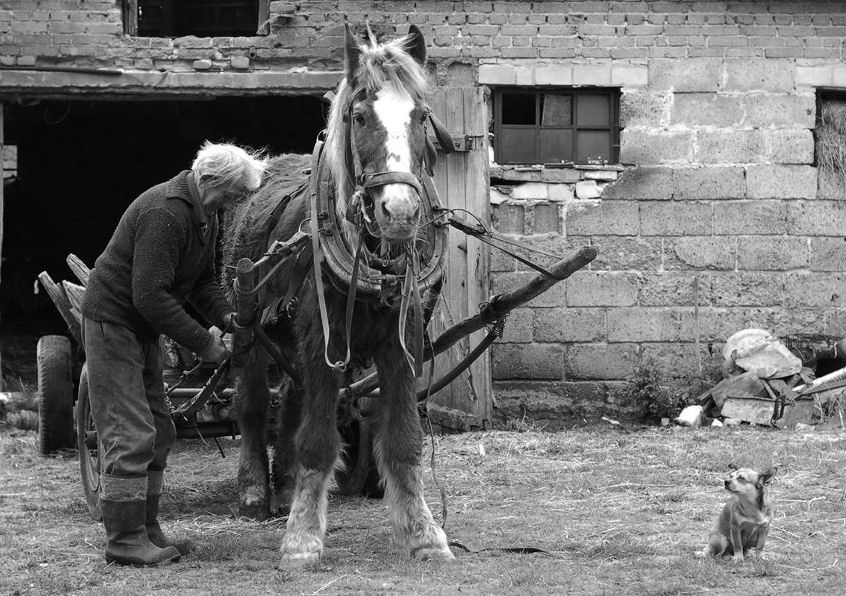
(376, 280)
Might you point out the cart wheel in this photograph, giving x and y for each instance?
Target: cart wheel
(361, 476)
(90, 463)
(55, 394)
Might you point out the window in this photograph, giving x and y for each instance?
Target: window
(203, 18)
(556, 125)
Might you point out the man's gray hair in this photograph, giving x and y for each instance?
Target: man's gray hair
(229, 165)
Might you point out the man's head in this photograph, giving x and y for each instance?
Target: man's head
(225, 173)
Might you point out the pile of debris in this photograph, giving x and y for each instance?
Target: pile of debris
(767, 384)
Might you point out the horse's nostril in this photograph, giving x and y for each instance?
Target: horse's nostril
(385, 211)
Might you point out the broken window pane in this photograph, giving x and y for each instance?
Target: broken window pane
(518, 108)
(556, 109)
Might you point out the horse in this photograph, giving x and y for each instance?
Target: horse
(372, 273)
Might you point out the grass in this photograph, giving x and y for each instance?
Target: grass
(614, 511)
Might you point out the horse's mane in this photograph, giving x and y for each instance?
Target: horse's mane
(380, 65)
(247, 224)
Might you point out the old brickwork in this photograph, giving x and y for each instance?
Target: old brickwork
(715, 222)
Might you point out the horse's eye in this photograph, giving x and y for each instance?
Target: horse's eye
(424, 115)
(359, 119)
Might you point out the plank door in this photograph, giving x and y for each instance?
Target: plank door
(462, 180)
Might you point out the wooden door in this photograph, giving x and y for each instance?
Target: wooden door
(462, 181)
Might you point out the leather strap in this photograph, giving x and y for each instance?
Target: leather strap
(318, 258)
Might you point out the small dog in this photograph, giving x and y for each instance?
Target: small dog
(745, 520)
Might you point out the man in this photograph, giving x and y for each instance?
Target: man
(160, 256)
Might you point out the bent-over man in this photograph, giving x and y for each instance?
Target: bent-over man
(160, 256)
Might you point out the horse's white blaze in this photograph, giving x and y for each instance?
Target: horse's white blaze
(393, 108)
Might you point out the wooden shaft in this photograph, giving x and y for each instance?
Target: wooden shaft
(245, 310)
(500, 306)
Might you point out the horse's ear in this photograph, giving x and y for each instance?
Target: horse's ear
(417, 45)
(351, 52)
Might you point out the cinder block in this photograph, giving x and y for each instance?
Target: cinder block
(787, 146)
(750, 217)
(629, 75)
(727, 146)
(509, 219)
(553, 75)
(600, 361)
(546, 219)
(700, 252)
(750, 74)
(781, 182)
(652, 147)
(601, 218)
(676, 218)
(689, 75)
(767, 110)
(531, 190)
(710, 182)
(650, 183)
(814, 76)
(706, 109)
(240, 62)
(747, 288)
(561, 192)
(814, 290)
(675, 360)
(527, 361)
(642, 324)
(519, 326)
(675, 288)
(592, 74)
(605, 288)
(772, 253)
(816, 218)
(562, 324)
(828, 254)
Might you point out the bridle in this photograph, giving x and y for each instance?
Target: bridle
(397, 282)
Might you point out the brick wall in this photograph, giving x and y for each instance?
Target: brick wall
(716, 223)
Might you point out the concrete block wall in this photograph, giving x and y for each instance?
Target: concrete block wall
(715, 223)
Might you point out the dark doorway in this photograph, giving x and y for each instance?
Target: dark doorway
(80, 163)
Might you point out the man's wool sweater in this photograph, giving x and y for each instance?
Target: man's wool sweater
(160, 255)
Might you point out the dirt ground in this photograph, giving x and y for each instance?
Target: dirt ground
(614, 511)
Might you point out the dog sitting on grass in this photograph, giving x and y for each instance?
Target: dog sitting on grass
(744, 521)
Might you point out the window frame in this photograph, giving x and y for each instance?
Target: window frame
(129, 10)
(613, 128)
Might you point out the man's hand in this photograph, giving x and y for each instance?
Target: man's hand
(215, 351)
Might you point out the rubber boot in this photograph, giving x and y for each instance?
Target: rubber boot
(154, 530)
(126, 536)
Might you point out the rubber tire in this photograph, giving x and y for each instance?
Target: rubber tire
(55, 394)
(90, 461)
(361, 476)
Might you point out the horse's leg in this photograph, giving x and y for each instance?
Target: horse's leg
(317, 443)
(398, 447)
(253, 397)
(283, 467)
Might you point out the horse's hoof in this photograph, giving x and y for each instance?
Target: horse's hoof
(433, 553)
(259, 512)
(291, 561)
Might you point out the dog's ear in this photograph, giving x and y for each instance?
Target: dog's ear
(732, 466)
(766, 476)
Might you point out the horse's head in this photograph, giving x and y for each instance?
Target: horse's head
(376, 137)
